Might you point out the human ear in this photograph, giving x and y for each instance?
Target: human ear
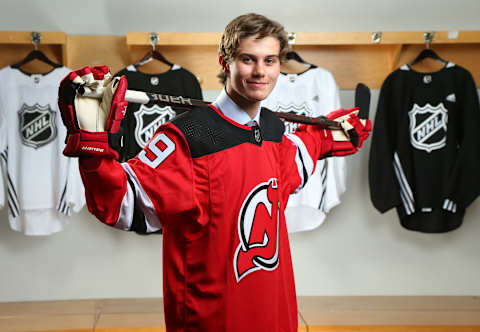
(224, 64)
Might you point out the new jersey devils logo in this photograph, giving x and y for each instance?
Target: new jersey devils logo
(258, 224)
(37, 125)
(428, 127)
(148, 121)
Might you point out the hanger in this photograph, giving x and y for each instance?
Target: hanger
(297, 66)
(153, 53)
(427, 52)
(36, 54)
(292, 55)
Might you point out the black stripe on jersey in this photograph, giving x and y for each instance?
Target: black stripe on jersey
(64, 208)
(207, 132)
(62, 204)
(12, 195)
(4, 155)
(11, 209)
(139, 224)
(323, 176)
(304, 170)
(12, 203)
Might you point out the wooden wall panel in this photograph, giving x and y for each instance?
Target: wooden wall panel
(113, 51)
(351, 57)
(13, 53)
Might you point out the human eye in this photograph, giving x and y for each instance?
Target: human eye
(271, 60)
(247, 59)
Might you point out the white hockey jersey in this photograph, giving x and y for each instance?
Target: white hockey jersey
(311, 93)
(43, 186)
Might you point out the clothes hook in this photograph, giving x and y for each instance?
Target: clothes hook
(428, 37)
(292, 38)
(36, 37)
(153, 39)
(377, 37)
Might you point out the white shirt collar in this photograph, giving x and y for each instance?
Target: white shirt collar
(231, 110)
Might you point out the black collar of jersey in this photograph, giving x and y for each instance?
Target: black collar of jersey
(208, 131)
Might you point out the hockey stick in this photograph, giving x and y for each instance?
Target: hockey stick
(362, 93)
(362, 101)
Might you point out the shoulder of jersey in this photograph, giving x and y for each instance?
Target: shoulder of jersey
(207, 132)
(5, 70)
(4, 74)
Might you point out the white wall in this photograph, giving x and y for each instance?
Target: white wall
(120, 16)
(356, 252)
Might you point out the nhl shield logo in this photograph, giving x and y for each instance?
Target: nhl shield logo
(295, 109)
(37, 125)
(428, 127)
(148, 121)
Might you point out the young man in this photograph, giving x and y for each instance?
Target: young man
(216, 179)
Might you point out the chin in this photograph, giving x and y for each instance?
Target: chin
(259, 96)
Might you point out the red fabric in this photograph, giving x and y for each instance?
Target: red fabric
(84, 143)
(358, 134)
(105, 183)
(199, 202)
(226, 257)
(119, 105)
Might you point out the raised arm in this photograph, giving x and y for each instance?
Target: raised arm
(89, 122)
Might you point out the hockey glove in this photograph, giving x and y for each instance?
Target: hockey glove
(350, 139)
(89, 121)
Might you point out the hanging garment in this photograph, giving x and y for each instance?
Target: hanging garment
(425, 152)
(311, 93)
(142, 120)
(43, 186)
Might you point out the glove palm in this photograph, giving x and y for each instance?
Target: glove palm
(90, 120)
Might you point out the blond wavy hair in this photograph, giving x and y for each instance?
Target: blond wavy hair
(245, 26)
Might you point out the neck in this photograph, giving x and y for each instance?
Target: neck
(248, 106)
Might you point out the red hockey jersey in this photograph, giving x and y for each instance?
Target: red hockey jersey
(218, 189)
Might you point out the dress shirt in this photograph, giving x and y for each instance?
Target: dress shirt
(231, 110)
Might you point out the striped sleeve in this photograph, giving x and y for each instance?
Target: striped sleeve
(137, 212)
(137, 195)
(303, 160)
(12, 197)
(116, 197)
(406, 193)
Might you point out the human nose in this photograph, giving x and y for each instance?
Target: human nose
(259, 69)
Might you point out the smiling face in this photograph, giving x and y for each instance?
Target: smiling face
(252, 74)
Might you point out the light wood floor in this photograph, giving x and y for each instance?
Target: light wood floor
(316, 314)
(405, 328)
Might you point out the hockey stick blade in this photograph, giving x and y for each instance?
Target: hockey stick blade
(141, 97)
(362, 100)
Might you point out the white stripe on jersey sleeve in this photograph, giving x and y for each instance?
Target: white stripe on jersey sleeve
(125, 217)
(151, 219)
(305, 164)
(449, 205)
